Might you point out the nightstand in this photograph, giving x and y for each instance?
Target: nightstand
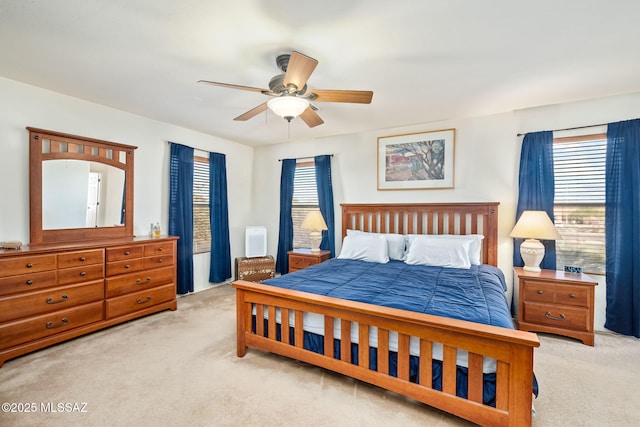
(303, 258)
(556, 302)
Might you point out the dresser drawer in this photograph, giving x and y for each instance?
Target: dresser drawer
(122, 267)
(80, 274)
(26, 330)
(564, 317)
(78, 259)
(130, 303)
(155, 249)
(49, 300)
(124, 252)
(127, 283)
(27, 264)
(158, 261)
(300, 262)
(28, 282)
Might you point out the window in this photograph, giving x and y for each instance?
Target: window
(579, 172)
(305, 198)
(201, 222)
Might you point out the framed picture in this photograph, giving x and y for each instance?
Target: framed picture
(416, 161)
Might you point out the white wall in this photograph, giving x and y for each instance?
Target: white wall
(486, 166)
(22, 105)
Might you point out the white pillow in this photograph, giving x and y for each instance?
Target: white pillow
(475, 240)
(395, 242)
(453, 253)
(370, 248)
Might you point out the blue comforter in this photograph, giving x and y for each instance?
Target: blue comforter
(476, 294)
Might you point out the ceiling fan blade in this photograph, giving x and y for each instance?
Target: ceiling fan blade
(249, 88)
(252, 113)
(299, 69)
(353, 96)
(311, 118)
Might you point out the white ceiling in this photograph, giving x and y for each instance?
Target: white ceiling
(425, 60)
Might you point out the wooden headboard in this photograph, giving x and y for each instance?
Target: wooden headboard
(428, 218)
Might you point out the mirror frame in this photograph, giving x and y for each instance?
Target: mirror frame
(94, 150)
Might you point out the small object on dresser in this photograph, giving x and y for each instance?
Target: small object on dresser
(11, 244)
(156, 230)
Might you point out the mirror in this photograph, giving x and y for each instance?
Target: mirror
(92, 197)
(81, 188)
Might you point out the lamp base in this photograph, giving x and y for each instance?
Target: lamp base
(315, 237)
(532, 252)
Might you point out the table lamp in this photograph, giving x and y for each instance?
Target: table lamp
(531, 226)
(314, 222)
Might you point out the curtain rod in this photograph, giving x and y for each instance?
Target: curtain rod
(306, 158)
(574, 128)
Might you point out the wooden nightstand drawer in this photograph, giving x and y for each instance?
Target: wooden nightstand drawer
(299, 262)
(302, 258)
(558, 317)
(573, 295)
(539, 292)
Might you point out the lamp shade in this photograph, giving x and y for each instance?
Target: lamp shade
(535, 225)
(314, 221)
(288, 107)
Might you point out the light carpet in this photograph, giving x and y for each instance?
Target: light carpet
(180, 368)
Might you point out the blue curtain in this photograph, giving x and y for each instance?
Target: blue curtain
(622, 227)
(285, 237)
(325, 200)
(220, 266)
(536, 188)
(181, 211)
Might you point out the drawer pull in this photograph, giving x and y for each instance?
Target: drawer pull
(50, 300)
(539, 292)
(160, 249)
(572, 295)
(82, 273)
(126, 252)
(82, 259)
(29, 265)
(29, 282)
(126, 266)
(160, 261)
(140, 282)
(549, 316)
(50, 325)
(141, 301)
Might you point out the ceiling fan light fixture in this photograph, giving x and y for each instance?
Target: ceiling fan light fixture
(288, 107)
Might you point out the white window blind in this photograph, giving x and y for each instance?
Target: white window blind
(201, 223)
(305, 198)
(579, 172)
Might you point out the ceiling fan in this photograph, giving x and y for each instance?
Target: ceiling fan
(290, 95)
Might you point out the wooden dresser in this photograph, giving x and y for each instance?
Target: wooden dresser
(556, 302)
(50, 293)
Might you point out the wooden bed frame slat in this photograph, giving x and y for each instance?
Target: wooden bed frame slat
(512, 349)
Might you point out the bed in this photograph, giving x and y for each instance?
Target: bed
(477, 371)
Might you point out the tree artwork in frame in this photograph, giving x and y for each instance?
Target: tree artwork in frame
(416, 161)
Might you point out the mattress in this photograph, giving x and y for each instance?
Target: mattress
(476, 294)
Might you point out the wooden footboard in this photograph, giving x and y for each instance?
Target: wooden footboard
(512, 349)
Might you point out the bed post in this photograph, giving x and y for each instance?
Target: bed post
(241, 319)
